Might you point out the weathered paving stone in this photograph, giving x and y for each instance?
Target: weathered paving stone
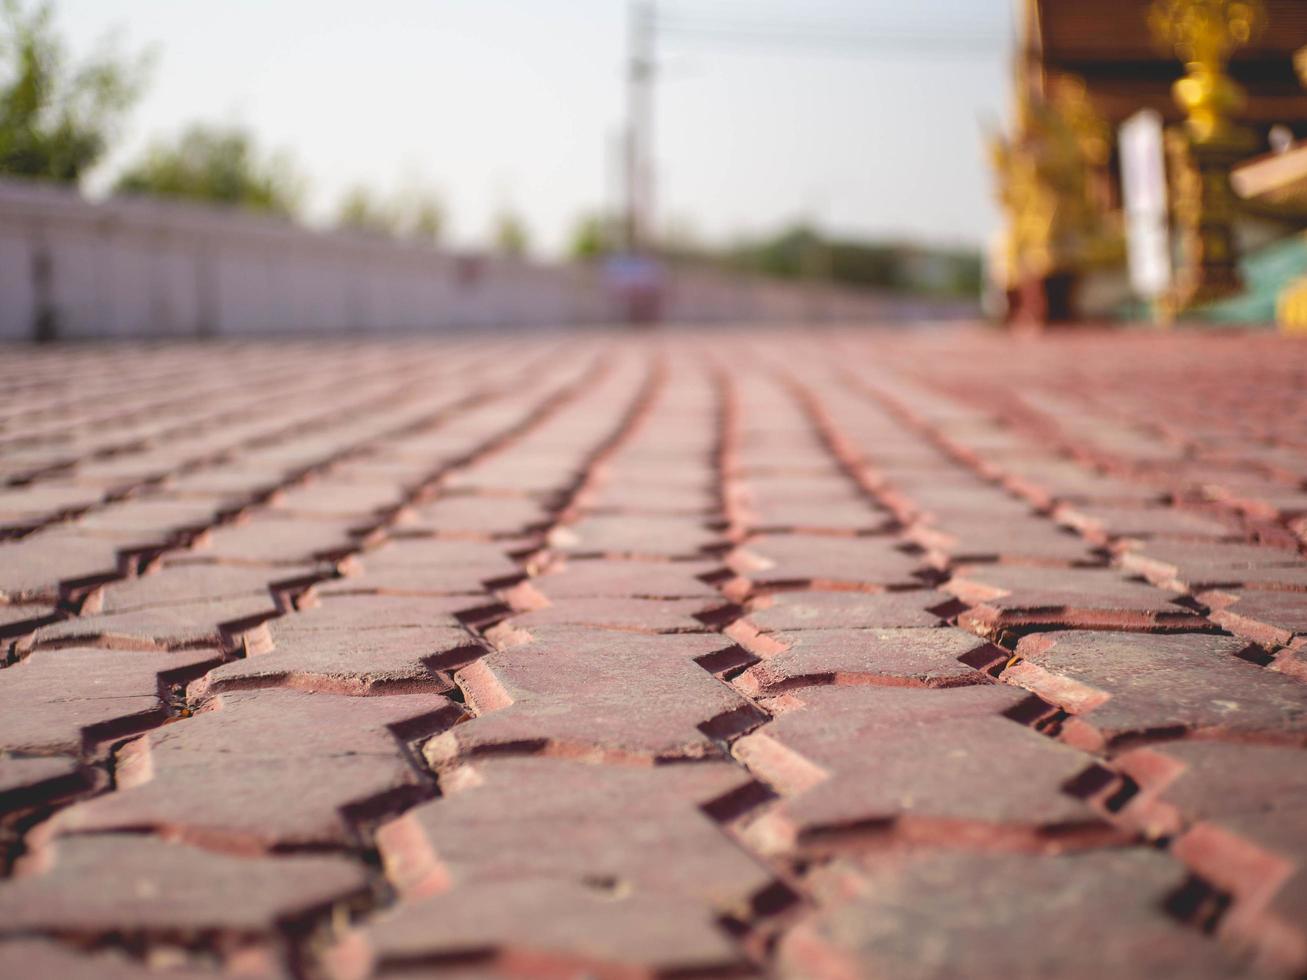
(146, 518)
(35, 567)
(602, 578)
(637, 615)
(37, 502)
(336, 498)
(605, 822)
(587, 931)
(1102, 524)
(952, 914)
(1015, 597)
(655, 497)
(784, 611)
(1270, 618)
(1240, 814)
(1023, 541)
(266, 768)
(356, 644)
(1047, 482)
(42, 958)
(474, 516)
(277, 540)
(819, 562)
(184, 605)
(236, 592)
(231, 624)
(1119, 686)
(428, 567)
(849, 517)
(116, 884)
(629, 536)
(941, 771)
(1198, 566)
(56, 700)
(642, 698)
(635, 873)
(19, 621)
(189, 583)
(886, 657)
(28, 780)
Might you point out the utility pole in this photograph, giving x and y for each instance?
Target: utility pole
(639, 133)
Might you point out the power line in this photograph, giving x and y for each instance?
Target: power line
(962, 47)
(842, 35)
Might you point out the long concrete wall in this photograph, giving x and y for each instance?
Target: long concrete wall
(72, 268)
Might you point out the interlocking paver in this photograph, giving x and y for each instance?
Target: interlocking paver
(264, 768)
(116, 884)
(813, 561)
(55, 700)
(927, 765)
(1119, 685)
(950, 915)
(635, 870)
(785, 611)
(1008, 597)
(355, 644)
(642, 697)
(738, 654)
(889, 657)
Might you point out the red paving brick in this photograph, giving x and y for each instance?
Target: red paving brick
(930, 654)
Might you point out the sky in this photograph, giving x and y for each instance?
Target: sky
(517, 104)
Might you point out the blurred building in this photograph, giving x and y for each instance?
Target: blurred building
(1083, 68)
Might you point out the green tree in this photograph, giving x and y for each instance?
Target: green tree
(510, 235)
(216, 164)
(417, 212)
(361, 210)
(57, 117)
(591, 237)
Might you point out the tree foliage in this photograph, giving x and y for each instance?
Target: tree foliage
(414, 213)
(216, 164)
(592, 237)
(511, 237)
(57, 116)
(802, 252)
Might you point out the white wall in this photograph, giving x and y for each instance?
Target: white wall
(149, 268)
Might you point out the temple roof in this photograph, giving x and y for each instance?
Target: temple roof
(1107, 42)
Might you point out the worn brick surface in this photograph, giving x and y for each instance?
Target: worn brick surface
(953, 915)
(814, 655)
(1119, 685)
(265, 768)
(126, 883)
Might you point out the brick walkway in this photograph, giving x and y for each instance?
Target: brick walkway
(812, 656)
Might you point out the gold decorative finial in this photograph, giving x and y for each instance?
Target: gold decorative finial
(1203, 34)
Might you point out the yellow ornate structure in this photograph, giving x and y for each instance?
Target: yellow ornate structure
(1204, 33)
(1054, 188)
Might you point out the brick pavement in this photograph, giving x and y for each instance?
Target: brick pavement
(751, 654)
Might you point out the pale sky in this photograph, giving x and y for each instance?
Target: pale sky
(518, 102)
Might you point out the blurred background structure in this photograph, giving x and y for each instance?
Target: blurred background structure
(647, 160)
(1158, 131)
